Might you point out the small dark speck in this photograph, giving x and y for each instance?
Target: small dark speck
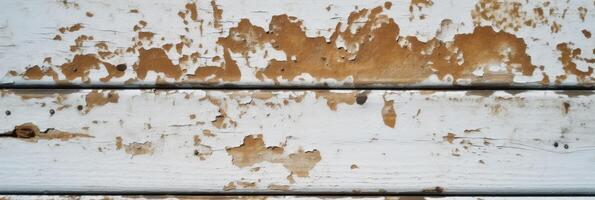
(7, 112)
(556, 144)
(196, 152)
(79, 107)
(121, 67)
(566, 146)
(361, 99)
(52, 111)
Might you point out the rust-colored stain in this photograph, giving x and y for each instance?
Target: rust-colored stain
(37, 73)
(82, 64)
(193, 11)
(568, 55)
(450, 137)
(389, 116)
(30, 132)
(73, 28)
(217, 14)
(95, 98)
(78, 43)
(254, 151)
(510, 15)
(156, 60)
(373, 53)
(586, 33)
(227, 72)
(335, 98)
(119, 143)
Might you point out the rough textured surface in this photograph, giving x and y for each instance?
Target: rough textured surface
(400, 43)
(298, 141)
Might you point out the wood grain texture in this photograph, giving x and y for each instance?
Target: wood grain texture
(447, 142)
(295, 43)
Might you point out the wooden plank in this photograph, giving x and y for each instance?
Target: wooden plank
(448, 142)
(113, 197)
(295, 43)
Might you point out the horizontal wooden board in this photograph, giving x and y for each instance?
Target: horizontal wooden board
(296, 43)
(295, 141)
(112, 197)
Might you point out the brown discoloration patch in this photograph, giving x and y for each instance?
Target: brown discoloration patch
(568, 55)
(419, 4)
(81, 66)
(566, 107)
(89, 14)
(229, 71)
(229, 186)
(354, 166)
(389, 116)
(217, 14)
(335, 98)
(156, 60)
(278, 187)
(510, 15)
(450, 137)
(73, 28)
(254, 151)
(37, 73)
(30, 132)
(193, 11)
(143, 35)
(374, 53)
(95, 98)
(78, 43)
(582, 12)
(388, 5)
(136, 148)
(586, 33)
(208, 133)
(119, 143)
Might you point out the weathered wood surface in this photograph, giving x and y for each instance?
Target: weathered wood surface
(266, 43)
(448, 142)
(113, 197)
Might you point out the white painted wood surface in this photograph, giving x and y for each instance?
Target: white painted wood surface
(113, 197)
(194, 44)
(479, 142)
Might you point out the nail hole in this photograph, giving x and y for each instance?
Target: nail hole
(52, 111)
(79, 107)
(556, 144)
(121, 67)
(566, 146)
(7, 112)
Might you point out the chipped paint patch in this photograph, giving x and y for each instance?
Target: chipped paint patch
(254, 151)
(30, 132)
